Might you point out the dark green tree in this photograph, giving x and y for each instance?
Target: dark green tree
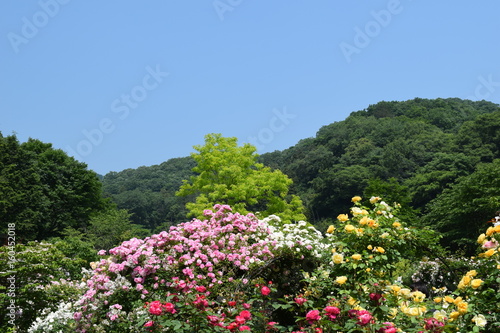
(110, 228)
(43, 190)
(461, 212)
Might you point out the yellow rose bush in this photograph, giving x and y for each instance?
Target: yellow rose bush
(477, 297)
(356, 279)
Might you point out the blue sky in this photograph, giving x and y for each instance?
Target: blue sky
(121, 84)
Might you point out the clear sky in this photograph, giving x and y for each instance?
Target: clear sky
(121, 84)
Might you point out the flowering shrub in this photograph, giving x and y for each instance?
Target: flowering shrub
(233, 273)
(40, 279)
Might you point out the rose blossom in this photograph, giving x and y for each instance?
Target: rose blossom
(313, 316)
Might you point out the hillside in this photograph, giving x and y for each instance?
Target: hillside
(408, 152)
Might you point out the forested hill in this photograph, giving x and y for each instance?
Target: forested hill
(422, 153)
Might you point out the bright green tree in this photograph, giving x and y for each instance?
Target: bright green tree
(229, 174)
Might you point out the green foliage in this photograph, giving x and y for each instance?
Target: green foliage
(463, 209)
(40, 278)
(110, 228)
(43, 191)
(149, 192)
(229, 174)
(392, 191)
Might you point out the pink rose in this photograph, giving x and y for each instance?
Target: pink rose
(332, 312)
(364, 317)
(265, 290)
(313, 316)
(300, 300)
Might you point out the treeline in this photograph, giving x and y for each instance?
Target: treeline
(435, 157)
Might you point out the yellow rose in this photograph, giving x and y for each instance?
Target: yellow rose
(338, 258)
(356, 256)
(356, 199)
(351, 301)
(448, 299)
(471, 273)
(481, 238)
(464, 282)
(364, 220)
(356, 211)
(490, 231)
(489, 253)
(405, 292)
(458, 300)
(462, 307)
(454, 315)
(331, 229)
(368, 270)
(349, 228)
(412, 311)
(476, 283)
(392, 313)
(418, 296)
(496, 228)
(341, 279)
(395, 288)
(374, 200)
(369, 247)
(438, 300)
(343, 217)
(380, 249)
(440, 315)
(396, 224)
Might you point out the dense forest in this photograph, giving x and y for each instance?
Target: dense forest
(435, 157)
(438, 158)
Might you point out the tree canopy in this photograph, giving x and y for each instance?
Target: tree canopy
(43, 190)
(229, 174)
